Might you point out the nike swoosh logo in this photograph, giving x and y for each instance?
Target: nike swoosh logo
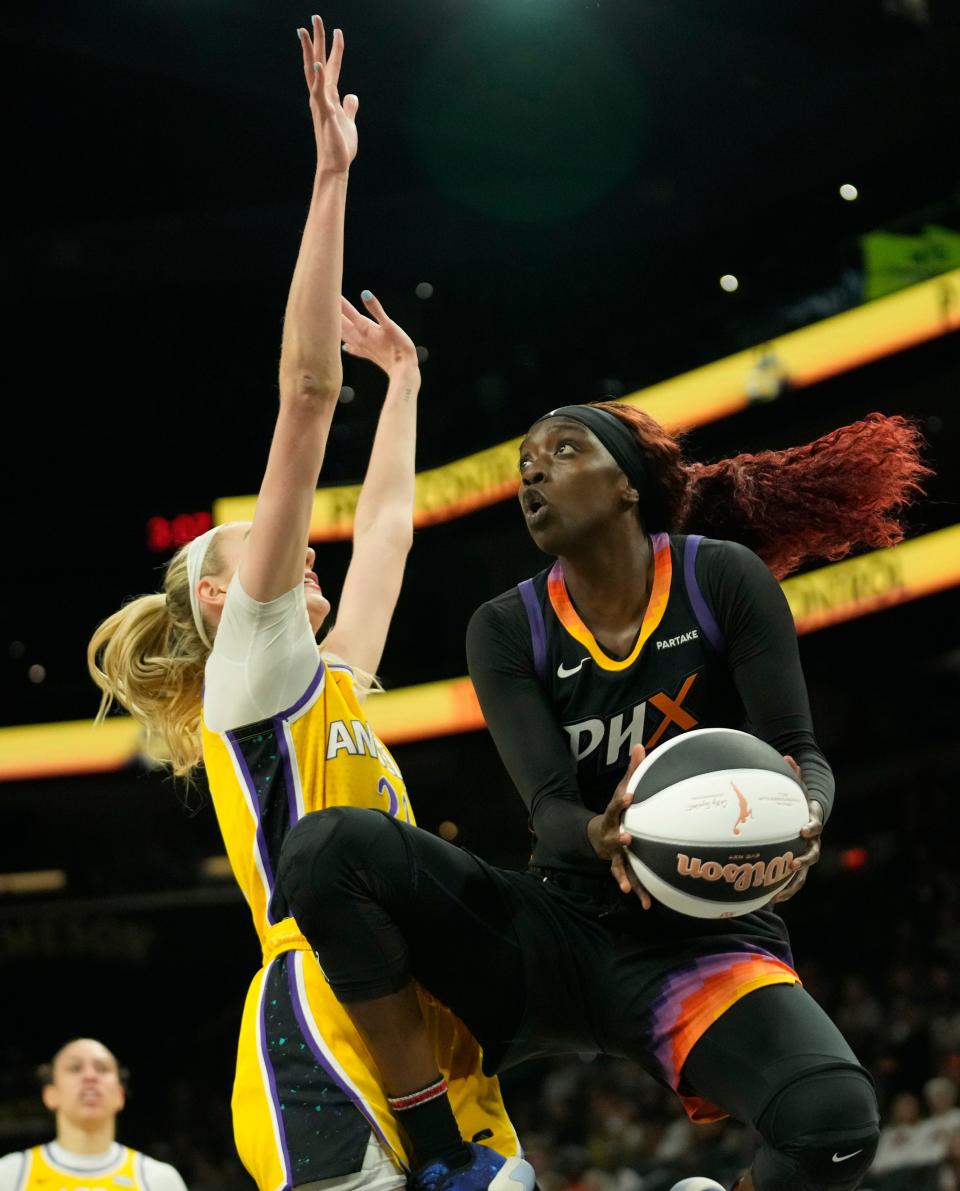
(563, 672)
(837, 1158)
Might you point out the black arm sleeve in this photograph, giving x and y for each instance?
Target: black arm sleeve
(523, 723)
(763, 657)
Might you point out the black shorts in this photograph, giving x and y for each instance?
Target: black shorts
(536, 969)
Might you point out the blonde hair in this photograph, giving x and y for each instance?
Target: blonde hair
(149, 657)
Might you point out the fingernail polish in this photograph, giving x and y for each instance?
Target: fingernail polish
(366, 295)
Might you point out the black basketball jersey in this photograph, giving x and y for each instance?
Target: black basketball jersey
(673, 680)
(717, 648)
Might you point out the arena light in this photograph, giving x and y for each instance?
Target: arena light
(216, 868)
(852, 859)
(729, 284)
(170, 533)
(41, 881)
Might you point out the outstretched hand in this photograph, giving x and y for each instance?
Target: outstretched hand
(334, 123)
(379, 339)
(609, 840)
(802, 864)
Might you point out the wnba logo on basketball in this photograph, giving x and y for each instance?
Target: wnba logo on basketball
(758, 874)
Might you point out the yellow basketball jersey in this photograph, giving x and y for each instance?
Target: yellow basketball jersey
(307, 1092)
(44, 1173)
(266, 776)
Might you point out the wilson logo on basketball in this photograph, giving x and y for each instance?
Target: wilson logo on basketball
(745, 811)
(741, 876)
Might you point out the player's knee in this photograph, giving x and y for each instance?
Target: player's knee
(823, 1130)
(319, 855)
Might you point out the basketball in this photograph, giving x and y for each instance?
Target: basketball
(715, 823)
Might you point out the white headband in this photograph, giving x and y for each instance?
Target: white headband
(196, 553)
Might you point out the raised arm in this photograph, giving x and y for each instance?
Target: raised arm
(310, 367)
(383, 522)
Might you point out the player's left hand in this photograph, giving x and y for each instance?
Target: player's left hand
(814, 829)
(378, 339)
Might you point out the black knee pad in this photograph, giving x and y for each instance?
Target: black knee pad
(344, 872)
(320, 854)
(820, 1133)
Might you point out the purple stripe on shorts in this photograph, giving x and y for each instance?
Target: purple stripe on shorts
(300, 1012)
(703, 614)
(306, 696)
(538, 630)
(255, 806)
(265, 1051)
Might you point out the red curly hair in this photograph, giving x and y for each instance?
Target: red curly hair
(822, 500)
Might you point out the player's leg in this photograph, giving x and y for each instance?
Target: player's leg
(380, 901)
(303, 1103)
(775, 1060)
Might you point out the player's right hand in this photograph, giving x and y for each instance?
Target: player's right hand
(610, 841)
(334, 123)
(378, 339)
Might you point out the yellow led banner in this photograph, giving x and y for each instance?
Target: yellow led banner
(842, 591)
(859, 586)
(45, 750)
(714, 391)
(440, 494)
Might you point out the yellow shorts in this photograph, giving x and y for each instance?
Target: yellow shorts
(307, 1093)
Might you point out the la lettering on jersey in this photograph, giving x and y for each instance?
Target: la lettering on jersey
(673, 680)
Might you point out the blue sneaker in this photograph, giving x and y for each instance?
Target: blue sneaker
(486, 1169)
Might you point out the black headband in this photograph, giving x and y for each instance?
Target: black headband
(613, 434)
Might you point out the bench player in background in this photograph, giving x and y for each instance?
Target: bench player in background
(83, 1086)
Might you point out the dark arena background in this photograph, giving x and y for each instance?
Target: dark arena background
(561, 200)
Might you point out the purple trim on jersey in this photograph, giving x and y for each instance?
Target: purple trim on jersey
(254, 803)
(265, 1052)
(305, 697)
(711, 629)
(116, 1160)
(538, 630)
(300, 1011)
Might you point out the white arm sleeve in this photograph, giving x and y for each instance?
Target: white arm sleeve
(264, 657)
(161, 1176)
(11, 1170)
